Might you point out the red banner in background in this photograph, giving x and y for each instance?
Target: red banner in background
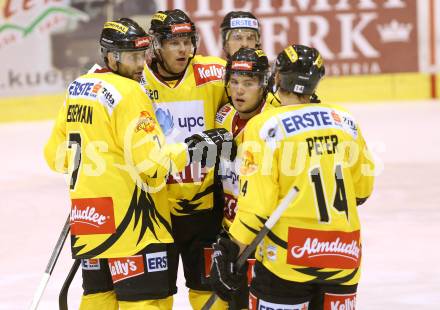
(353, 36)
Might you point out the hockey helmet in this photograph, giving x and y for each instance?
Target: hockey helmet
(248, 61)
(124, 35)
(173, 23)
(300, 69)
(239, 20)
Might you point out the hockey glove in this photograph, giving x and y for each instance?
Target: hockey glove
(224, 279)
(208, 145)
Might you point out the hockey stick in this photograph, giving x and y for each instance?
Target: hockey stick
(271, 221)
(62, 299)
(51, 265)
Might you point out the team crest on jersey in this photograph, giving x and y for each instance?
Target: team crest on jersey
(205, 73)
(271, 133)
(222, 113)
(127, 267)
(91, 216)
(145, 122)
(248, 165)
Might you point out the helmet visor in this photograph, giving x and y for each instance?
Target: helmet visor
(248, 80)
(174, 41)
(132, 58)
(248, 37)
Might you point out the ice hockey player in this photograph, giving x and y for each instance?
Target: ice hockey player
(187, 90)
(246, 81)
(107, 138)
(311, 257)
(239, 29)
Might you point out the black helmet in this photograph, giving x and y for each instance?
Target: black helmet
(124, 35)
(300, 69)
(239, 20)
(248, 61)
(172, 23)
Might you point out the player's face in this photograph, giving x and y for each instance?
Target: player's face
(245, 92)
(240, 38)
(131, 64)
(176, 52)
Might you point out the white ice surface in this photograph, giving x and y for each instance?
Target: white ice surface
(400, 222)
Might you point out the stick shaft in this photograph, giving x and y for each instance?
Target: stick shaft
(271, 221)
(62, 298)
(50, 265)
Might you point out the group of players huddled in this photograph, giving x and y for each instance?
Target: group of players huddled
(173, 155)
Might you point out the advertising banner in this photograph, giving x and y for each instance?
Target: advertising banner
(45, 44)
(354, 37)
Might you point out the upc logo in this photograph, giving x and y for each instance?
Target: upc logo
(191, 122)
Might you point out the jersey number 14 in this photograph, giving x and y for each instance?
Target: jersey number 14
(340, 199)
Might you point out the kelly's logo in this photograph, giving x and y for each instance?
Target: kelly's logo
(124, 268)
(207, 73)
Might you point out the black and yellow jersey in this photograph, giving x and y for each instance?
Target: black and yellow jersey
(319, 149)
(107, 138)
(227, 117)
(183, 108)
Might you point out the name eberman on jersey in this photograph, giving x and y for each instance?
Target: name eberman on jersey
(79, 113)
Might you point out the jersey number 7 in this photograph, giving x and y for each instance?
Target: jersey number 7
(75, 139)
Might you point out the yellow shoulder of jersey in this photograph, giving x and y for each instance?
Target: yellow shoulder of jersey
(123, 84)
(273, 99)
(209, 60)
(265, 114)
(334, 106)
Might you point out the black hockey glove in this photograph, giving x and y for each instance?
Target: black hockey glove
(208, 145)
(224, 279)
